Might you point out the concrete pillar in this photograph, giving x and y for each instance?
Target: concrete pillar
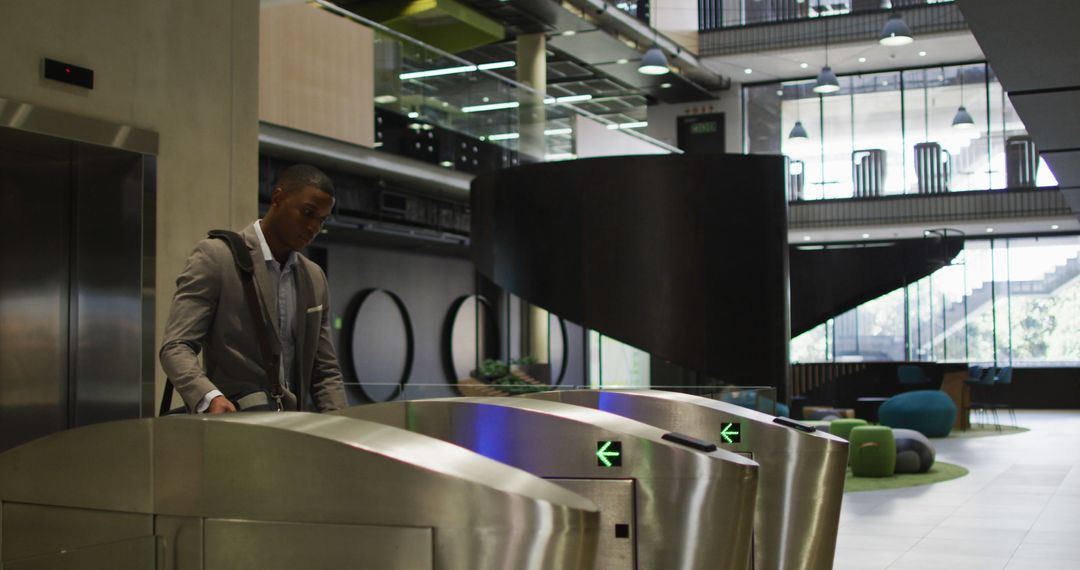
(532, 71)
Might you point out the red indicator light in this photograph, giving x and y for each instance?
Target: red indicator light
(67, 70)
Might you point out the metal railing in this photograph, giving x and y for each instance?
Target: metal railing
(947, 207)
(807, 32)
(719, 14)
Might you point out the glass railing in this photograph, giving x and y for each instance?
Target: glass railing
(760, 398)
(480, 99)
(718, 14)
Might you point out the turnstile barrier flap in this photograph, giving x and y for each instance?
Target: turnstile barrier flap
(800, 482)
(696, 506)
(222, 466)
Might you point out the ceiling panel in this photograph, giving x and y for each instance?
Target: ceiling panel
(593, 46)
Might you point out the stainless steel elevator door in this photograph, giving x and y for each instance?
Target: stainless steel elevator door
(35, 222)
(71, 326)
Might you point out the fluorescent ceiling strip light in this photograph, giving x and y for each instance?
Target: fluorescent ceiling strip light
(457, 69)
(560, 156)
(497, 65)
(573, 98)
(490, 107)
(437, 72)
(503, 137)
(565, 131)
(637, 125)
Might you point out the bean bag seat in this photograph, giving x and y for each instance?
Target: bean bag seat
(872, 451)
(914, 452)
(929, 412)
(823, 414)
(842, 427)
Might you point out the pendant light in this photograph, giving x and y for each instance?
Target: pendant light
(962, 119)
(798, 132)
(826, 80)
(654, 62)
(896, 32)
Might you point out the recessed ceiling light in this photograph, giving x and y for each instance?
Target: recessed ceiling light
(748, 71)
(485, 99)
(922, 54)
(414, 115)
(864, 236)
(569, 33)
(862, 60)
(885, 83)
(989, 230)
(806, 238)
(804, 65)
(665, 85)
(385, 99)
(622, 61)
(446, 164)
(1054, 227)
(779, 92)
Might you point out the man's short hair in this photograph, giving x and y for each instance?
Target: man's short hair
(300, 176)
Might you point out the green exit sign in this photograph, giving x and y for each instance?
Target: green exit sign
(609, 453)
(731, 432)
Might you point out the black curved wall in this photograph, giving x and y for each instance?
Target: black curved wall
(684, 257)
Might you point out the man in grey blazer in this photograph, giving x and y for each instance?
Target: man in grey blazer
(210, 315)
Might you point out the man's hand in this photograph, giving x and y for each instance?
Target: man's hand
(220, 405)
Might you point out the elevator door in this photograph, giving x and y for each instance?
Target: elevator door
(71, 218)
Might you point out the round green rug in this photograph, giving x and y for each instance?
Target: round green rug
(941, 471)
(980, 430)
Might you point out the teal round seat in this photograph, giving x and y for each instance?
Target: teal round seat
(929, 412)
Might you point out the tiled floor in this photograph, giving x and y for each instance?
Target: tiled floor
(1019, 508)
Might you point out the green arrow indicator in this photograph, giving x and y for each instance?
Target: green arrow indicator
(730, 433)
(609, 453)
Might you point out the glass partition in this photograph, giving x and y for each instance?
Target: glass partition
(480, 99)
(1009, 301)
(916, 131)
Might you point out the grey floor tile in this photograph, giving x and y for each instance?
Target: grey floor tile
(943, 561)
(981, 547)
(1042, 564)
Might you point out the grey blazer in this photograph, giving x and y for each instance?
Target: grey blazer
(209, 315)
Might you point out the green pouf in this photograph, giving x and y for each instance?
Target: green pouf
(872, 451)
(842, 427)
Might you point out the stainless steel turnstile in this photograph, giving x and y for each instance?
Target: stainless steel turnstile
(277, 490)
(800, 483)
(664, 505)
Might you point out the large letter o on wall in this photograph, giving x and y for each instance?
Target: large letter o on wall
(377, 346)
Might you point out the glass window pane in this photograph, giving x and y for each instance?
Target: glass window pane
(878, 122)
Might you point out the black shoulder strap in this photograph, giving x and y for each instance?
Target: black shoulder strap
(271, 363)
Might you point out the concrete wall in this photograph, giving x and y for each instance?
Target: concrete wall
(186, 70)
(678, 20)
(315, 73)
(594, 139)
(662, 118)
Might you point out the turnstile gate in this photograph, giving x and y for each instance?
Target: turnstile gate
(800, 482)
(278, 490)
(665, 504)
